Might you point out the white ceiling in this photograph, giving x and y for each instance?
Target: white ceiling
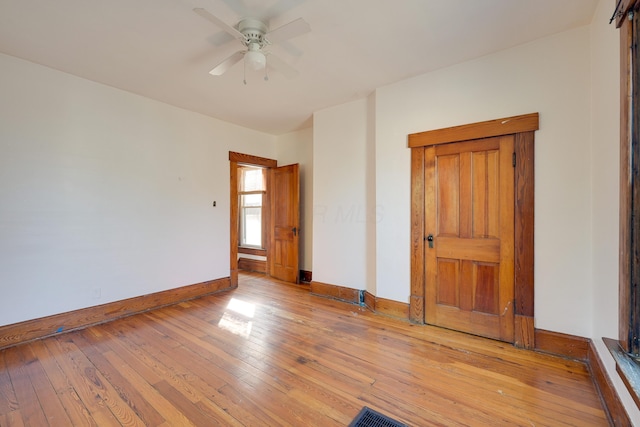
(162, 50)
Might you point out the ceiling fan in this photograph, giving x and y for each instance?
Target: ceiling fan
(255, 36)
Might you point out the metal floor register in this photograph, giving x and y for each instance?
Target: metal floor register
(370, 418)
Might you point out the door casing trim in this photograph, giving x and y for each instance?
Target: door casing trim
(523, 128)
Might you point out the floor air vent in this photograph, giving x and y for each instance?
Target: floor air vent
(370, 418)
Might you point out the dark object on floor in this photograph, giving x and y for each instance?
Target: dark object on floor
(370, 418)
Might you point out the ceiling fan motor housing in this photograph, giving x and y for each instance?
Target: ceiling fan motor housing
(253, 31)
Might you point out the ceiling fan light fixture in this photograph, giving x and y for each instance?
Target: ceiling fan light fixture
(254, 35)
(255, 59)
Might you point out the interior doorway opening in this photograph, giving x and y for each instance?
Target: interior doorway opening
(264, 217)
(252, 233)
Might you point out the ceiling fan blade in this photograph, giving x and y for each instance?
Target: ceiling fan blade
(279, 65)
(222, 67)
(218, 22)
(288, 31)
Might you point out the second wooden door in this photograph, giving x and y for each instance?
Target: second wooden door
(285, 223)
(469, 237)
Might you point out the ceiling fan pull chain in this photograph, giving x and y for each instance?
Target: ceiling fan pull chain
(245, 73)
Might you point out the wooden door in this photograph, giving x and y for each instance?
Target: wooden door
(469, 236)
(285, 223)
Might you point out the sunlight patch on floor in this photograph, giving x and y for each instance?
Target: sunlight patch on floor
(236, 318)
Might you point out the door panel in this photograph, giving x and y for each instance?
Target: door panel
(469, 211)
(285, 223)
(449, 195)
(448, 286)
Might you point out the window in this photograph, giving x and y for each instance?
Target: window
(251, 194)
(626, 350)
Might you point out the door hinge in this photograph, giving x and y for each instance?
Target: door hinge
(513, 159)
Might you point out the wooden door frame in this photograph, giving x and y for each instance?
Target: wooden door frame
(236, 159)
(523, 128)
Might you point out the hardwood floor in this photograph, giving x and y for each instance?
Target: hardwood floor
(271, 354)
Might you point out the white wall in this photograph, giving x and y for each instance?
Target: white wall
(297, 147)
(340, 195)
(605, 179)
(105, 195)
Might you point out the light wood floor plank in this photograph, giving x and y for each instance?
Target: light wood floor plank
(73, 405)
(169, 412)
(8, 401)
(49, 400)
(27, 400)
(82, 375)
(11, 419)
(272, 354)
(126, 390)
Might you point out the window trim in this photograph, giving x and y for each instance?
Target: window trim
(626, 177)
(626, 349)
(263, 215)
